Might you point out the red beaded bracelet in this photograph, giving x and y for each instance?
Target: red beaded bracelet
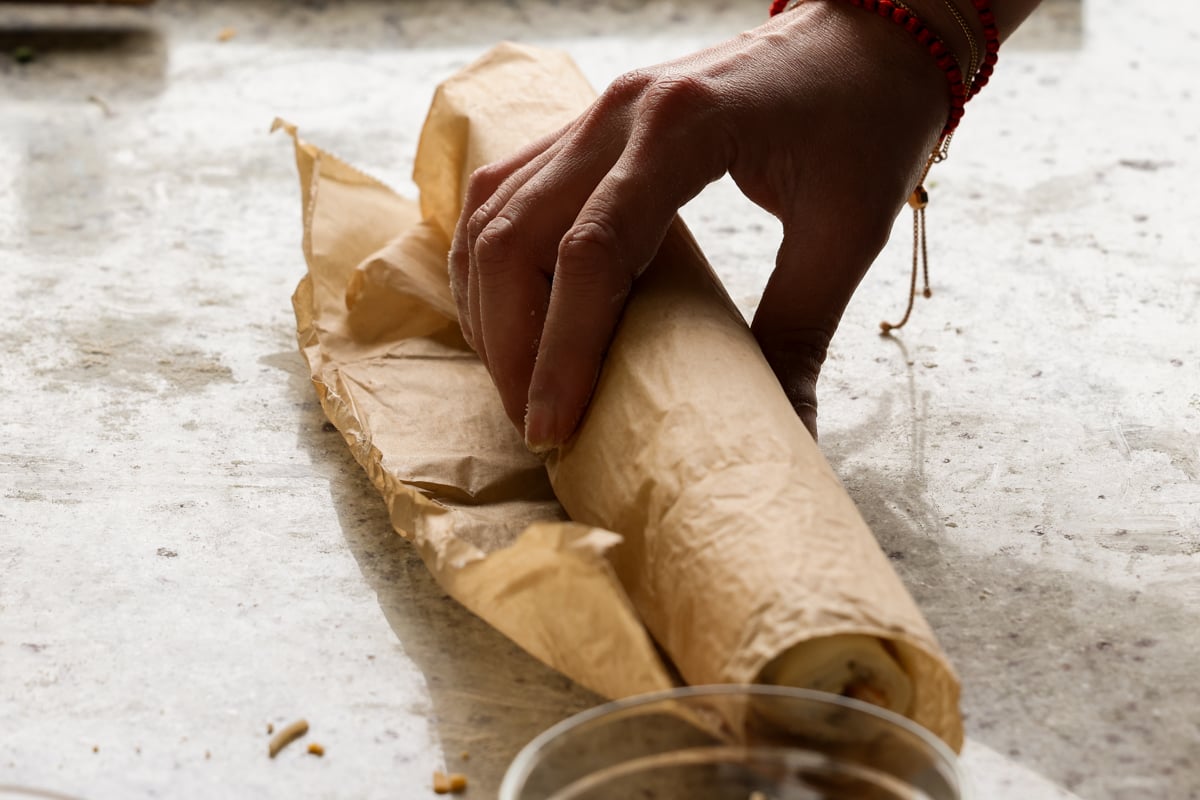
(991, 44)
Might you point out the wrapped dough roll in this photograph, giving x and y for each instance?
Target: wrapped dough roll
(714, 519)
(742, 553)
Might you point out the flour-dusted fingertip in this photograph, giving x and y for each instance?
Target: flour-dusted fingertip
(458, 271)
(541, 423)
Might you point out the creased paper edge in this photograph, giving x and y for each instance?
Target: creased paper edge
(484, 583)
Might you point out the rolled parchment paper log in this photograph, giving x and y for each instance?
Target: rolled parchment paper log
(742, 552)
(699, 506)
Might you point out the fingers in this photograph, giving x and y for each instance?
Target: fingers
(819, 265)
(615, 236)
(591, 281)
(551, 240)
(487, 183)
(796, 358)
(476, 226)
(512, 257)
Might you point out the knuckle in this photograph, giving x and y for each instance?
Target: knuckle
(802, 394)
(626, 88)
(590, 253)
(483, 183)
(672, 98)
(798, 368)
(479, 220)
(494, 244)
(799, 351)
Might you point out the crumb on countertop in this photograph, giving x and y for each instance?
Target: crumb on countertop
(453, 783)
(286, 736)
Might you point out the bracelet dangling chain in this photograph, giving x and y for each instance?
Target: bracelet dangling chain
(963, 85)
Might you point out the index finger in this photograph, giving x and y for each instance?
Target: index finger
(614, 238)
(488, 189)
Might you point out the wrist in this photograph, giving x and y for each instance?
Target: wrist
(884, 59)
(954, 42)
(955, 22)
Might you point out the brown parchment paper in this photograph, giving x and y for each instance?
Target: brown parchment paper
(704, 514)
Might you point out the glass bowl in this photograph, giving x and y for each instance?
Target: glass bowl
(735, 742)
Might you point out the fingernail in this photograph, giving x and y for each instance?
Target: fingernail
(540, 424)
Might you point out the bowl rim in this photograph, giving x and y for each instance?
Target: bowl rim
(522, 765)
(11, 790)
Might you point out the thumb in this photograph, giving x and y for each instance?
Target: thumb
(817, 270)
(796, 359)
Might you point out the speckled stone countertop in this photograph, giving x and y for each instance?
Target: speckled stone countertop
(187, 552)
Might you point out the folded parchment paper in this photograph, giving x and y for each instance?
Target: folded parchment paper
(704, 514)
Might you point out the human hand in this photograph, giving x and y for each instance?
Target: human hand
(823, 116)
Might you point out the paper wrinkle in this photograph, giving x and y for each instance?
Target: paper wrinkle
(705, 516)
